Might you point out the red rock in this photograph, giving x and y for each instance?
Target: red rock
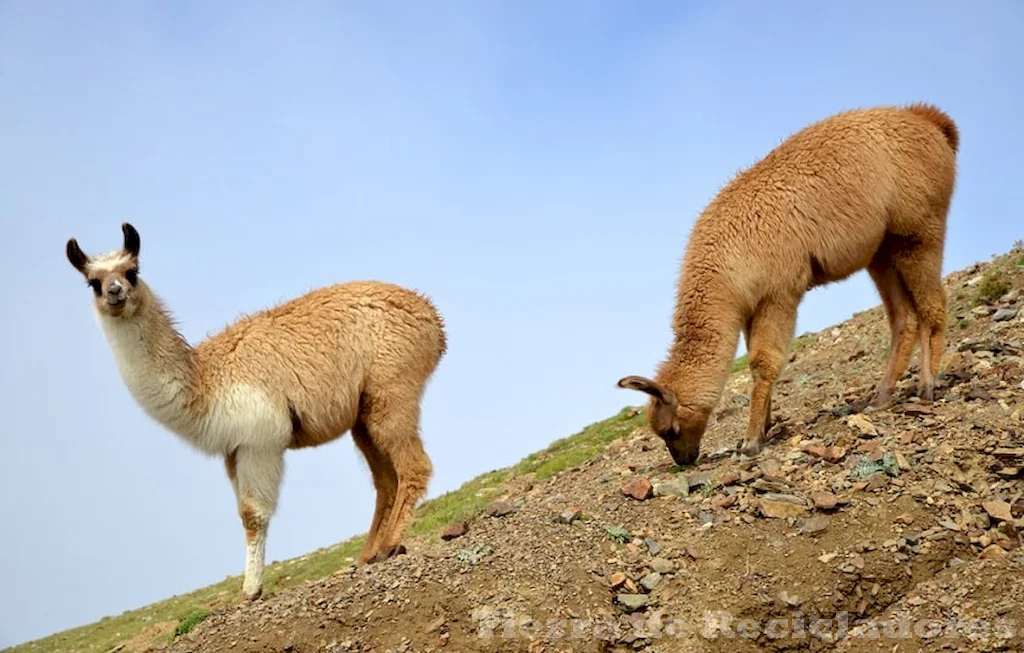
(829, 454)
(728, 478)
(723, 500)
(455, 530)
(640, 489)
(824, 500)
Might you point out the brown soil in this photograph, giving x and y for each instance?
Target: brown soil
(903, 545)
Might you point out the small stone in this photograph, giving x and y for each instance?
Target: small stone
(436, 624)
(790, 599)
(981, 311)
(729, 478)
(569, 516)
(1007, 452)
(722, 501)
(1002, 539)
(901, 461)
(827, 557)
(676, 487)
(1004, 314)
(781, 506)
(824, 500)
(663, 565)
(501, 508)
(617, 579)
(979, 394)
(877, 481)
(650, 581)
(998, 510)
(632, 602)
(455, 530)
(862, 424)
(1010, 297)
(698, 479)
(815, 525)
(992, 552)
(652, 546)
(640, 489)
(829, 454)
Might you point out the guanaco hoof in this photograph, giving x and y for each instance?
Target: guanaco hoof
(397, 550)
(751, 449)
(254, 597)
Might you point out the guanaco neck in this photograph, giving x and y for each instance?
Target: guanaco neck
(706, 330)
(157, 364)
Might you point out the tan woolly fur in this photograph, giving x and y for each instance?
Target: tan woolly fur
(865, 188)
(352, 357)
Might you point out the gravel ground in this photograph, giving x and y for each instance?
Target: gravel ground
(890, 530)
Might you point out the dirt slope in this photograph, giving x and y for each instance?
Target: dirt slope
(879, 522)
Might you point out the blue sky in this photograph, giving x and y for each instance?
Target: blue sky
(535, 167)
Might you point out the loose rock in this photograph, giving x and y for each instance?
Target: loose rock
(863, 425)
(781, 506)
(640, 489)
(824, 500)
(998, 510)
(632, 602)
(455, 530)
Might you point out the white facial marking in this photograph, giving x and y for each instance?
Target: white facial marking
(108, 262)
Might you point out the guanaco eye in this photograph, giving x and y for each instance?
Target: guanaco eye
(132, 276)
(96, 286)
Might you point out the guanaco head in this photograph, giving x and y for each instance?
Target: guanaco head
(113, 277)
(680, 427)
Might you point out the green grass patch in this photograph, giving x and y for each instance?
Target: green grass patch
(739, 364)
(802, 341)
(193, 619)
(577, 449)
(457, 505)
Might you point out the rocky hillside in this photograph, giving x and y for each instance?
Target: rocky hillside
(893, 530)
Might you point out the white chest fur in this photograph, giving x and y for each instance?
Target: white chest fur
(236, 415)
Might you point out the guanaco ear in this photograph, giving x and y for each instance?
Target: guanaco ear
(131, 239)
(77, 256)
(642, 384)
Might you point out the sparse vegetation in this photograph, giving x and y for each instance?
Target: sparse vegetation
(574, 450)
(739, 364)
(990, 288)
(193, 619)
(474, 555)
(618, 534)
